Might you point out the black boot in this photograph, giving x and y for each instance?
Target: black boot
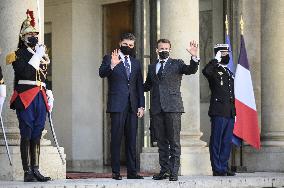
(35, 152)
(25, 155)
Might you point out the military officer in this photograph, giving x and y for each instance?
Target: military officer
(222, 109)
(31, 98)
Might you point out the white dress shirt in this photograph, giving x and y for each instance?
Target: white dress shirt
(122, 58)
(158, 65)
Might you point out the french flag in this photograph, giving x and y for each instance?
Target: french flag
(246, 125)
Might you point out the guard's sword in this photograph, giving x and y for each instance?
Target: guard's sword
(54, 137)
(5, 139)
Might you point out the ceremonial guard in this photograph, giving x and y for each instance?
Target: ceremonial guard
(222, 109)
(31, 98)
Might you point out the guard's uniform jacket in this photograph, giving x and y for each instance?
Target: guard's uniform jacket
(221, 83)
(24, 93)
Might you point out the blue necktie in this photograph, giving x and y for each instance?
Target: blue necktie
(127, 66)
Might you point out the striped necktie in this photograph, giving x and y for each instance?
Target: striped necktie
(127, 66)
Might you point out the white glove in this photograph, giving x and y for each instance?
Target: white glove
(2, 96)
(218, 56)
(40, 51)
(35, 60)
(50, 99)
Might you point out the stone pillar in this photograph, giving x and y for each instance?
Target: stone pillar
(12, 15)
(272, 91)
(180, 24)
(271, 154)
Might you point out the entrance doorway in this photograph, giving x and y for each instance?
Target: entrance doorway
(117, 19)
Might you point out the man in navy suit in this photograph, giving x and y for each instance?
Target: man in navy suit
(125, 102)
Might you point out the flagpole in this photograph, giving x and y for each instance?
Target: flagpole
(242, 23)
(241, 148)
(227, 25)
(242, 168)
(233, 161)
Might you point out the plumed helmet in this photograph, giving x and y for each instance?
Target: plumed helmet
(28, 25)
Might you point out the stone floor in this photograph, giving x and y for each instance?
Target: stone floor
(243, 180)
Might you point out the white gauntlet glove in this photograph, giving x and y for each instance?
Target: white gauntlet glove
(35, 60)
(50, 99)
(2, 96)
(218, 56)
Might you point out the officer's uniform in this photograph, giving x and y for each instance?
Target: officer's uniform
(30, 100)
(222, 113)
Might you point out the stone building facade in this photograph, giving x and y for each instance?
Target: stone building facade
(78, 34)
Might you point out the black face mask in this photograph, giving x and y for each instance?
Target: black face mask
(164, 54)
(32, 41)
(126, 50)
(225, 59)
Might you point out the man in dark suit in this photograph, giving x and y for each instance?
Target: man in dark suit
(125, 102)
(222, 109)
(164, 81)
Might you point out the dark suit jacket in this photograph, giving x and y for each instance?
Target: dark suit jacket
(165, 93)
(221, 84)
(120, 89)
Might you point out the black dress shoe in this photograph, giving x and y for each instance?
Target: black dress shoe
(231, 173)
(135, 176)
(40, 177)
(219, 174)
(173, 177)
(116, 176)
(161, 176)
(29, 176)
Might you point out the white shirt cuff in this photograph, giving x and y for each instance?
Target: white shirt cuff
(2, 90)
(195, 59)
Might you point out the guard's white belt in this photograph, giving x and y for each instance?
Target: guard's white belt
(30, 82)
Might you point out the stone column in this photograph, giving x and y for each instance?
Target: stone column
(271, 39)
(180, 24)
(272, 90)
(272, 73)
(12, 15)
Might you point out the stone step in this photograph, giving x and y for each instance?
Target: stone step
(244, 180)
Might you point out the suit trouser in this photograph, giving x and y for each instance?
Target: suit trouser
(221, 142)
(124, 122)
(168, 126)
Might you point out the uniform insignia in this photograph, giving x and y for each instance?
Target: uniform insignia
(10, 58)
(220, 73)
